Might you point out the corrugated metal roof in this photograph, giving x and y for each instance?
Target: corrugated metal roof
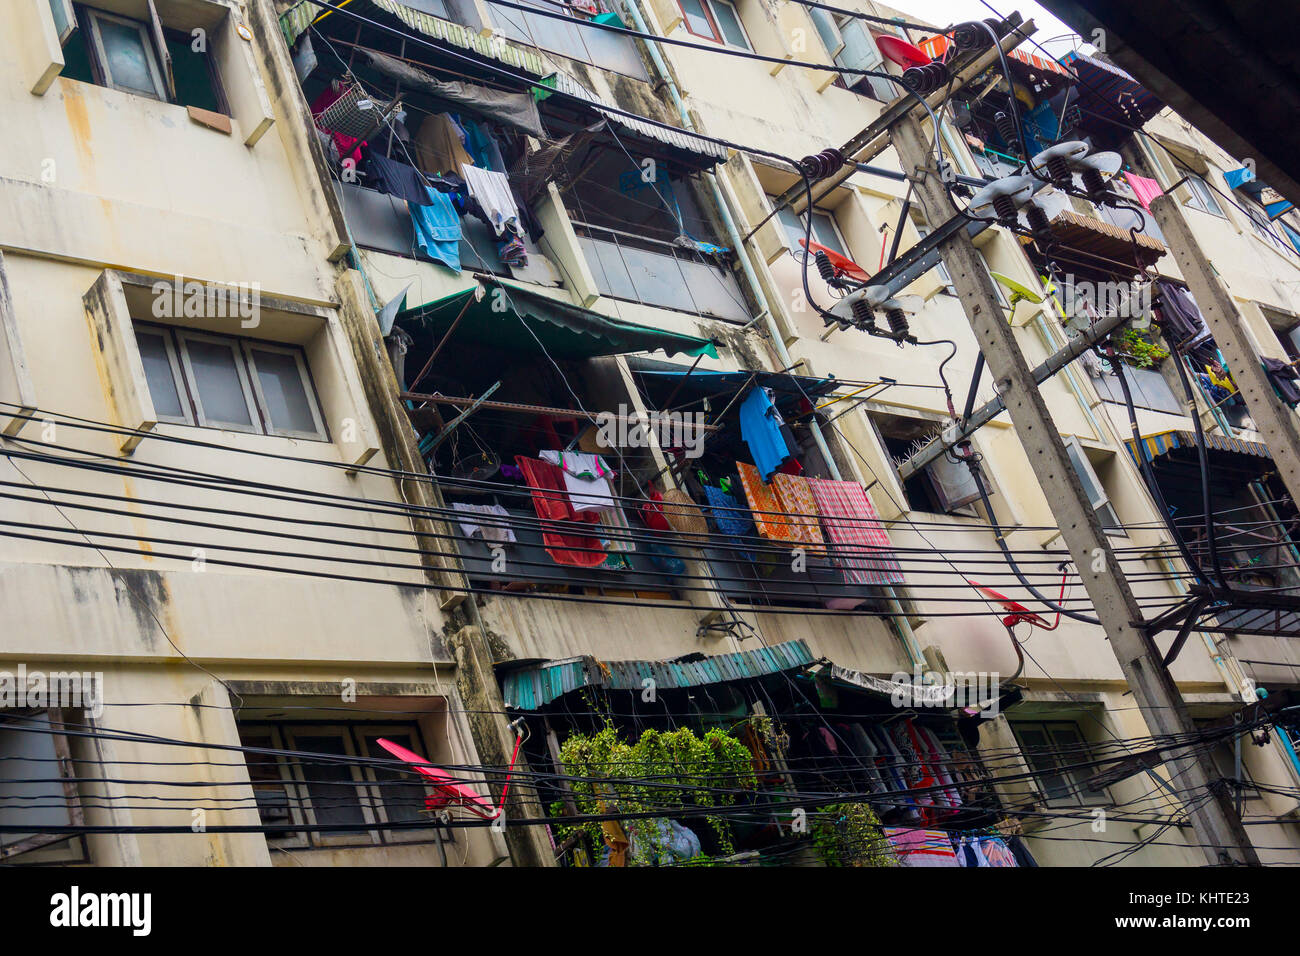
(533, 687)
(564, 83)
(295, 21)
(1157, 445)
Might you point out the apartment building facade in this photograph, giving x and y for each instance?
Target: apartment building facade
(600, 291)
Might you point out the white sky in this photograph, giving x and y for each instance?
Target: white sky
(943, 12)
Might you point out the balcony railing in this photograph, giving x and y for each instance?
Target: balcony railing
(659, 273)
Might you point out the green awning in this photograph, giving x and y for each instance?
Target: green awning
(535, 686)
(512, 317)
(399, 15)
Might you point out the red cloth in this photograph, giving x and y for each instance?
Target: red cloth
(855, 532)
(652, 514)
(565, 542)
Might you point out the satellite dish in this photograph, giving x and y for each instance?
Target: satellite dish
(1019, 292)
(898, 50)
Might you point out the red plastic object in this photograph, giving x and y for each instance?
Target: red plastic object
(898, 50)
(843, 265)
(1018, 613)
(450, 793)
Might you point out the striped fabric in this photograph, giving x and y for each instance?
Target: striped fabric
(921, 847)
(857, 536)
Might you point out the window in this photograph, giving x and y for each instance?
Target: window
(824, 231)
(1264, 228)
(1201, 196)
(828, 30)
(125, 54)
(1092, 487)
(860, 52)
(944, 486)
(1054, 749)
(355, 799)
(140, 57)
(37, 788)
(218, 381)
(715, 20)
(65, 19)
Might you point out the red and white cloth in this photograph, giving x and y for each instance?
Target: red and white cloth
(855, 532)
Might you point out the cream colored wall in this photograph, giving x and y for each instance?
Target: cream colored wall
(92, 178)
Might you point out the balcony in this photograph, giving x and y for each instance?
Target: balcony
(658, 273)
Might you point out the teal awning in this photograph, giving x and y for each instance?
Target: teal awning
(399, 15)
(512, 317)
(535, 686)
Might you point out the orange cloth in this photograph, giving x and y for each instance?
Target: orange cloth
(769, 517)
(782, 511)
(796, 497)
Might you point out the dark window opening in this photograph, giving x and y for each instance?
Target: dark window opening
(122, 53)
(943, 487)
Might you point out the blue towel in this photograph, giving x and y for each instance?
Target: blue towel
(437, 229)
(760, 426)
(730, 518)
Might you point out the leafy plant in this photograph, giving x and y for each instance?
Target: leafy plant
(1136, 349)
(660, 770)
(849, 834)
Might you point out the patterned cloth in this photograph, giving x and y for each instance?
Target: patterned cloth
(769, 517)
(729, 518)
(997, 852)
(921, 847)
(566, 535)
(782, 510)
(797, 500)
(854, 527)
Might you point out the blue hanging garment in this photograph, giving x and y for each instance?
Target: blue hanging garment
(760, 426)
(437, 229)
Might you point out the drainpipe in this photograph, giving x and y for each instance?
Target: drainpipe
(1053, 342)
(899, 621)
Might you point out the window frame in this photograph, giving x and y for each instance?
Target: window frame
(56, 717)
(305, 379)
(1201, 197)
(99, 57)
(293, 775)
(290, 734)
(183, 336)
(828, 19)
(792, 242)
(297, 798)
(1078, 797)
(178, 375)
(718, 36)
(1105, 502)
(69, 14)
(175, 340)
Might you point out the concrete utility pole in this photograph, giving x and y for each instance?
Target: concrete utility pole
(1216, 825)
(1275, 421)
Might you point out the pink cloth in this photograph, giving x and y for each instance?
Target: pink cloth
(857, 536)
(1145, 189)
